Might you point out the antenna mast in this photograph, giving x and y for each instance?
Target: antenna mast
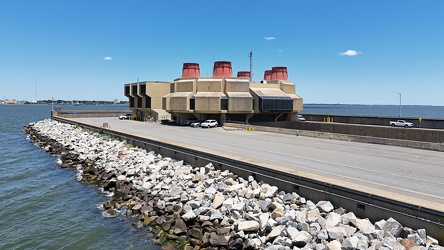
(251, 66)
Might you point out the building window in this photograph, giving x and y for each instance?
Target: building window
(127, 90)
(147, 102)
(192, 103)
(139, 102)
(275, 104)
(134, 89)
(143, 89)
(223, 103)
(131, 102)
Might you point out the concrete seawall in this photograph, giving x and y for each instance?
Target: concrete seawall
(89, 113)
(376, 120)
(430, 139)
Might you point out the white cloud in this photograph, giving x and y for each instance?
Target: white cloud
(350, 52)
(268, 38)
(108, 58)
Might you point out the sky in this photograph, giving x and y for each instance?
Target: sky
(342, 51)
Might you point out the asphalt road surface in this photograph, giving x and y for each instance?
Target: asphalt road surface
(410, 175)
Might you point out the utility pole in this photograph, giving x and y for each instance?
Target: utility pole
(400, 114)
(251, 66)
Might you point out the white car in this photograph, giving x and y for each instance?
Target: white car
(125, 116)
(209, 124)
(301, 118)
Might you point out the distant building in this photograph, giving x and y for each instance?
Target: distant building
(221, 97)
(116, 101)
(8, 101)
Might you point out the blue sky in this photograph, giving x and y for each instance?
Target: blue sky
(342, 51)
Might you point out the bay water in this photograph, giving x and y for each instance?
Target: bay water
(44, 207)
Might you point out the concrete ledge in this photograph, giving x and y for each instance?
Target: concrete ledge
(89, 113)
(345, 137)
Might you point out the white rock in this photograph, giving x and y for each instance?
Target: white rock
(189, 216)
(336, 232)
(218, 200)
(238, 207)
(235, 187)
(325, 206)
(275, 232)
(248, 226)
(292, 232)
(271, 192)
(364, 225)
(121, 177)
(349, 217)
(350, 243)
(334, 245)
(263, 219)
(302, 237)
(333, 220)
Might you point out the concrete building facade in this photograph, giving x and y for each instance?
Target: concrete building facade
(221, 97)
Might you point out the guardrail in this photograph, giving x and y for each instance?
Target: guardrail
(364, 205)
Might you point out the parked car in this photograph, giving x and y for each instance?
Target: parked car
(301, 118)
(195, 124)
(209, 124)
(125, 116)
(188, 122)
(401, 123)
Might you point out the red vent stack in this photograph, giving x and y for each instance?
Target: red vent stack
(267, 75)
(243, 74)
(222, 69)
(190, 70)
(279, 73)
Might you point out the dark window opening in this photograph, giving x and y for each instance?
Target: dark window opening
(127, 90)
(148, 102)
(192, 103)
(143, 89)
(131, 102)
(134, 89)
(275, 104)
(139, 102)
(224, 103)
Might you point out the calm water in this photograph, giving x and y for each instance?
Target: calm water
(45, 207)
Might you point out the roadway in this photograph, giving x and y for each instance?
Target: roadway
(410, 175)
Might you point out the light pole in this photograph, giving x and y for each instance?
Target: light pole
(400, 114)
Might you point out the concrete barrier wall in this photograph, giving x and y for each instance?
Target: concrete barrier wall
(297, 130)
(90, 113)
(375, 120)
(410, 134)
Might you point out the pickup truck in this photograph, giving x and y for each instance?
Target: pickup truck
(401, 123)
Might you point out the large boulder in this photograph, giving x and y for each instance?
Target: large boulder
(393, 227)
(336, 232)
(325, 206)
(302, 238)
(236, 244)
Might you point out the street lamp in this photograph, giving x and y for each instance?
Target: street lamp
(400, 114)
